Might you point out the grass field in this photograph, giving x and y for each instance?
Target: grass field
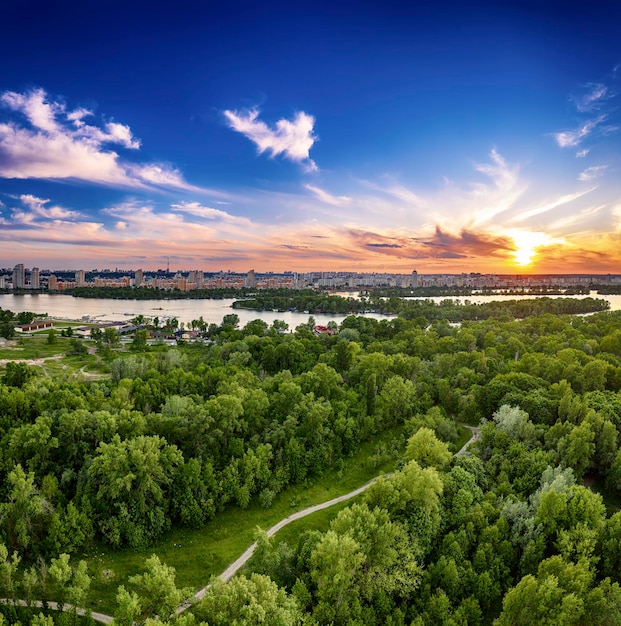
(198, 554)
(52, 360)
(34, 347)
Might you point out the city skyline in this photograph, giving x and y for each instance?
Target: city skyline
(352, 137)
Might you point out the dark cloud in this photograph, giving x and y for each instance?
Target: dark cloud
(441, 245)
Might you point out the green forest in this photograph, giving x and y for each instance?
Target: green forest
(124, 466)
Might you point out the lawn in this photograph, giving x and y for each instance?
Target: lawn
(33, 347)
(198, 554)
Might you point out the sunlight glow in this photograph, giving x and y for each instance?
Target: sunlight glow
(526, 245)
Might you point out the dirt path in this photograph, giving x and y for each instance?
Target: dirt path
(39, 362)
(476, 435)
(234, 567)
(98, 617)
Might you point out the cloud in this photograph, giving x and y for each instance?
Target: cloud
(326, 197)
(293, 139)
(573, 138)
(208, 213)
(384, 245)
(596, 98)
(56, 143)
(290, 246)
(468, 243)
(34, 209)
(564, 199)
(596, 94)
(591, 173)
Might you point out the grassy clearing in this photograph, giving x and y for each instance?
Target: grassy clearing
(35, 347)
(198, 554)
(464, 435)
(51, 360)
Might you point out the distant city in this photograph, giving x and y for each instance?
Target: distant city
(36, 279)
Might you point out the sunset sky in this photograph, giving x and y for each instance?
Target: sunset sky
(362, 136)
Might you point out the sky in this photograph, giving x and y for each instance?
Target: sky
(441, 137)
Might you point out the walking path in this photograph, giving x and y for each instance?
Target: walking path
(234, 567)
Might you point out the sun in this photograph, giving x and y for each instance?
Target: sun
(527, 244)
(524, 255)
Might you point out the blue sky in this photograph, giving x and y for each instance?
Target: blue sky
(442, 137)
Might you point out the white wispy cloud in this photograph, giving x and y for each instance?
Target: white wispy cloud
(596, 94)
(489, 201)
(327, 197)
(591, 173)
(565, 199)
(582, 153)
(208, 213)
(39, 208)
(573, 138)
(56, 143)
(291, 138)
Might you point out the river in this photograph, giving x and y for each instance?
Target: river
(212, 311)
(104, 309)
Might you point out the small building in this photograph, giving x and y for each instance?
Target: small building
(37, 325)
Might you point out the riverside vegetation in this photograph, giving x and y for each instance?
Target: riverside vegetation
(97, 473)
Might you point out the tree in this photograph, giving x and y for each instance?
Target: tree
(71, 584)
(8, 572)
(157, 594)
(562, 594)
(336, 567)
(110, 337)
(129, 481)
(23, 516)
(17, 374)
(397, 401)
(247, 602)
(427, 450)
(139, 342)
(77, 348)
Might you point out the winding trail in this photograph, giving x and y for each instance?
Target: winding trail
(236, 565)
(476, 434)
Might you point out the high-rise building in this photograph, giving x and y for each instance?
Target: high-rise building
(251, 280)
(34, 278)
(52, 284)
(19, 276)
(138, 278)
(414, 279)
(80, 278)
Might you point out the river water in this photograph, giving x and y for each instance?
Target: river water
(103, 309)
(212, 311)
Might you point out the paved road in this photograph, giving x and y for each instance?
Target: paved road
(234, 567)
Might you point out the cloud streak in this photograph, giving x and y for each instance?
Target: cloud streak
(574, 137)
(328, 198)
(291, 138)
(591, 173)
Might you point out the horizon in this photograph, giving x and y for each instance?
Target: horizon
(364, 138)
